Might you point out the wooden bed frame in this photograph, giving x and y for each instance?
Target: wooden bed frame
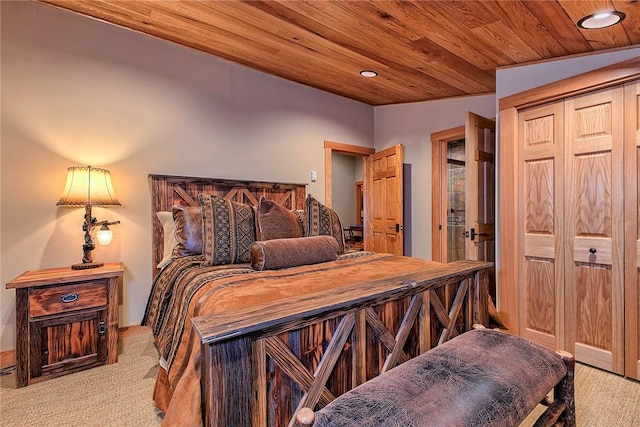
(306, 351)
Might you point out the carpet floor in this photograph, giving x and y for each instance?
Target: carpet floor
(119, 395)
(602, 400)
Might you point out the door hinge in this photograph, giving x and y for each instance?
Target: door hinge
(102, 329)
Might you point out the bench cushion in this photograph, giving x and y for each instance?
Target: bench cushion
(480, 378)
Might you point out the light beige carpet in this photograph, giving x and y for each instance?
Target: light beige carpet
(119, 395)
(602, 400)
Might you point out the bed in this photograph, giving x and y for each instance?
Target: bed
(249, 341)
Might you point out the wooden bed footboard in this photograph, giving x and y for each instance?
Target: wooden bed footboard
(261, 364)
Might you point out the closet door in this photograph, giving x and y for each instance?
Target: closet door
(540, 204)
(594, 218)
(632, 230)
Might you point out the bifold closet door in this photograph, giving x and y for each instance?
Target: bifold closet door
(540, 205)
(594, 221)
(632, 230)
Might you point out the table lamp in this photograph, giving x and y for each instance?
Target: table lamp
(88, 187)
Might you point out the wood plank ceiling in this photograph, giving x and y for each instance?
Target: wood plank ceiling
(422, 50)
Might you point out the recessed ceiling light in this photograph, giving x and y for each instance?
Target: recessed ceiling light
(368, 73)
(601, 20)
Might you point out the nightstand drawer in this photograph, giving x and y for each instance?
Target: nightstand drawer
(62, 299)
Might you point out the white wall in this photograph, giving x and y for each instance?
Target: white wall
(76, 91)
(412, 125)
(343, 178)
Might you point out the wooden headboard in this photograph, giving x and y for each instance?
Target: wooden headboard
(169, 190)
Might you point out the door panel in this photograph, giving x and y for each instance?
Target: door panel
(594, 203)
(632, 230)
(541, 189)
(540, 300)
(480, 188)
(385, 225)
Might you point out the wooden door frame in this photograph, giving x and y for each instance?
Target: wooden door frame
(331, 147)
(632, 248)
(509, 224)
(439, 144)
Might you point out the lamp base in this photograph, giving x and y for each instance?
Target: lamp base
(86, 265)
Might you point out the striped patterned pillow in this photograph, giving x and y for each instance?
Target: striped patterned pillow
(228, 230)
(320, 220)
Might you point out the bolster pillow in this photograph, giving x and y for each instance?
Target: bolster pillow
(282, 253)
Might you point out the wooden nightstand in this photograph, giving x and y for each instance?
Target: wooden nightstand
(66, 320)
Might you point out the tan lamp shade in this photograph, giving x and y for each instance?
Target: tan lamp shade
(88, 186)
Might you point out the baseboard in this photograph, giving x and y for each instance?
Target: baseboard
(8, 357)
(130, 330)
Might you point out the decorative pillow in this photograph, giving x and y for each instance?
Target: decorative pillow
(188, 221)
(283, 253)
(169, 234)
(228, 231)
(277, 222)
(320, 220)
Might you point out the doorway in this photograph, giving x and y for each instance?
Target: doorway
(344, 189)
(463, 193)
(347, 197)
(447, 197)
(455, 223)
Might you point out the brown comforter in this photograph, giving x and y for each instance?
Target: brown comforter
(184, 290)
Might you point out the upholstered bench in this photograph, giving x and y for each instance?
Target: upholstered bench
(481, 378)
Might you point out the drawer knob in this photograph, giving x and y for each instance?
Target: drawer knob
(68, 298)
(593, 250)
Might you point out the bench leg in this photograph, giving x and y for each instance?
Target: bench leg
(565, 391)
(561, 410)
(305, 417)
